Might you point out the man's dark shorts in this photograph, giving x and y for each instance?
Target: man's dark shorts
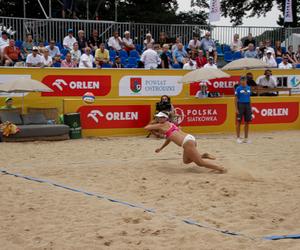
(244, 111)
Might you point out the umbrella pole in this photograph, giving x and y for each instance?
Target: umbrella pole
(23, 103)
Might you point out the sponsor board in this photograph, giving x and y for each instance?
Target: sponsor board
(286, 81)
(150, 85)
(115, 116)
(225, 86)
(276, 112)
(201, 114)
(77, 85)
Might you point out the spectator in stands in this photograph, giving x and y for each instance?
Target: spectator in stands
(285, 63)
(210, 63)
(8, 104)
(269, 47)
(251, 52)
(261, 50)
(297, 55)
(127, 42)
(41, 47)
(53, 50)
(157, 48)
(267, 82)
(269, 59)
(194, 43)
(291, 55)
(4, 41)
(69, 40)
(248, 40)
(27, 45)
(75, 53)
(68, 62)
(150, 58)
(175, 46)
(117, 63)
(115, 42)
(190, 64)
(101, 55)
(165, 58)
(86, 60)
(94, 40)
(163, 39)
(251, 82)
(46, 59)
(56, 62)
(209, 46)
(81, 40)
(148, 40)
(180, 56)
(12, 54)
(278, 49)
(34, 59)
(236, 44)
(201, 60)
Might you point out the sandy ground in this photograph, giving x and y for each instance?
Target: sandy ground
(259, 196)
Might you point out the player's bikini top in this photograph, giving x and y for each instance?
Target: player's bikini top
(171, 130)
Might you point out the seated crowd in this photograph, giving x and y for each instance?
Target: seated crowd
(119, 52)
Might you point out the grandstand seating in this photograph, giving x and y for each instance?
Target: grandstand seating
(228, 57)
(278, 60)
(123, 53)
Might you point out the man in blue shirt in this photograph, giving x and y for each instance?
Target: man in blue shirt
(243, 108)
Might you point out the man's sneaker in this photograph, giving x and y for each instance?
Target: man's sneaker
(239, 140)
(246, 140)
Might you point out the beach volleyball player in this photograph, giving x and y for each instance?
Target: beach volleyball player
(186, 141)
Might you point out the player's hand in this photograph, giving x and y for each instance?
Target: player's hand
(157, 150)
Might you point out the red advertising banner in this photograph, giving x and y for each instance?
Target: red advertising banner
(116, 116)
(225, 86)
(201, 114)
(76, 85)
(276, 112)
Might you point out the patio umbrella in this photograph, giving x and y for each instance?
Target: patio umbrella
(23, 85)
(245, 63)
(203, 74)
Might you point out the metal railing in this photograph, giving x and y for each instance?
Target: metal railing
(45, 29)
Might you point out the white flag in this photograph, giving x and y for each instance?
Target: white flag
(214, 11)
(288, 12)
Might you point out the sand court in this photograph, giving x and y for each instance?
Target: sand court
(259, 196)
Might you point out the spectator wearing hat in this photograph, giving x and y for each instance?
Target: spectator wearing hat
(115, 42)
(94, 40)
(81, 40)
(12, 54)
(150, 58)
(8, 104)
(210, 63)
(269, 59)
(285, 63)
(47, 59)
(53, 50)
(127, 42)
(86, 60)
(34, 59)
(101, 55)
(117, 63)
(69, 40)
(194, 43)
(68, 62)
(27, 45)
(148, 40)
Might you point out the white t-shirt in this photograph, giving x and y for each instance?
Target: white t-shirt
(127, 42)
(285, 66)
(3, 43)
(193, 45)
(69, 41)
(187, 65)
(47, 62)
(150, 59)
(88, 59)
(270, 61)
(115, 43)
(34, 60)
(212, 66)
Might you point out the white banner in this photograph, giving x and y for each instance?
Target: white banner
(214, 11)
(288, 12)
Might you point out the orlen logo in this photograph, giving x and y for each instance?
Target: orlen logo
(201, 114)
(77, 85)
(222, 85)
(115, 116)
(276, 112)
